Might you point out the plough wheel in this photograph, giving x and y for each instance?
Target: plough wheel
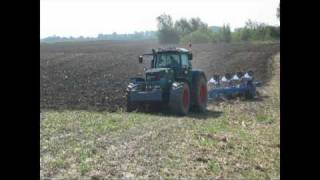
(251, 93)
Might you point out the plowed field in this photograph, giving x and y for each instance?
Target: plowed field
(94, 75)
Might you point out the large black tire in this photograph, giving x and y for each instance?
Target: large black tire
(251, 93)
(130, 105)
(179, 101)
(201, 94)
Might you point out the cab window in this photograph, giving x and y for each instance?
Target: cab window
(167, 61)
(184, 60)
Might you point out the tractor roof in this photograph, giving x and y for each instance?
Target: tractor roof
(172, 49)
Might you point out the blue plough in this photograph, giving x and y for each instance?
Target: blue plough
(239, 84)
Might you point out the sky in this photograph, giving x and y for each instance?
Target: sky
(89, 18)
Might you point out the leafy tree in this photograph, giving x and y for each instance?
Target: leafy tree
(196, 24)
(166, 32)
(251, 25)
(236, 35)
(199, 36)
(183, 27)
(225, 33)
(192, 30)
(164, 22)
(258, 32)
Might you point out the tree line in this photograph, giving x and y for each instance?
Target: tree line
(114, 36)
(196, 31)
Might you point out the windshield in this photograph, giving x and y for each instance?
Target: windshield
(167, 61)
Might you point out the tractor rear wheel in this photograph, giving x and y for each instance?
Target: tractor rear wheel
(179, 101)
(201, 94)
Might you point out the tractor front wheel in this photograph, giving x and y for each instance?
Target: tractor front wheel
(130, 105)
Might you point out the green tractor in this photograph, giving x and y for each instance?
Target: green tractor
(171, 82)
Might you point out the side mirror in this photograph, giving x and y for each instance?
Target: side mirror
(140, 59)
(190, 56)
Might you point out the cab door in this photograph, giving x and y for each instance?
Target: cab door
(185, 68)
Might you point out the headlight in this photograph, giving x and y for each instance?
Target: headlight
(132, 86)
(175, 84)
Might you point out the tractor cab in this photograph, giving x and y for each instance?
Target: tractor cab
(170, 64)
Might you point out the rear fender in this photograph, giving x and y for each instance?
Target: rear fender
(196, 74)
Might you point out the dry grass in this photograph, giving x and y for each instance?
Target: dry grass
(233, 140)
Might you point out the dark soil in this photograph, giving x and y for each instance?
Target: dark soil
(94, 75)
